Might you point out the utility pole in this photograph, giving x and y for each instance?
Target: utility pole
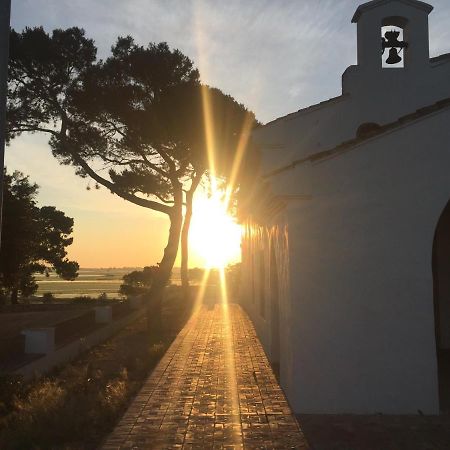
(5, 14)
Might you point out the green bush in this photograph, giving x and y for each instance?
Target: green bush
(82, 299)
(138, 282)
(48, 297)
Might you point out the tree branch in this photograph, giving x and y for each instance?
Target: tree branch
(104, 182)
(113, 188)
(31, 129)
(195, 182)
(168, 160)
(154, 166)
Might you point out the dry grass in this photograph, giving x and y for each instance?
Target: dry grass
(77, 406)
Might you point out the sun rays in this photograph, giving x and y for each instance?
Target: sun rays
(216, 235)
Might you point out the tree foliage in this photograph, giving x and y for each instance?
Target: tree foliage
(34, 239)
(139, 123)
(44, 70)
(99, 115)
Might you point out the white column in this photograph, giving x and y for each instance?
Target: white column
(103, 314)
(39, 340)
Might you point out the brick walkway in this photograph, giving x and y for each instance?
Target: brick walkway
(213, 389)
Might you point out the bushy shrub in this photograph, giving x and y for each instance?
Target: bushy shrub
(11, 387)
(138, 282)
(82, 299)
(48, 297)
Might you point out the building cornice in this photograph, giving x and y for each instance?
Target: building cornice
(376, 3)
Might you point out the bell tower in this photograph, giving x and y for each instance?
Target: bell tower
(393, 33)
(394, 75)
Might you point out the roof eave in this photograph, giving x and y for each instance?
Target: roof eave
(406, 120)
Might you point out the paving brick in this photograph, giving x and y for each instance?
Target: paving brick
(214, 388)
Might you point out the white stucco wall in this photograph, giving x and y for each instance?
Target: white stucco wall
(359, 309)
(361, 278)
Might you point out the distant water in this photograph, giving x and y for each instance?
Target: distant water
(90, 282)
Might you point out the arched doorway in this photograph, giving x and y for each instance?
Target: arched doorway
(274, 313)
(441, 288)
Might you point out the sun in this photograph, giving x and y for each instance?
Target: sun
(215, 237)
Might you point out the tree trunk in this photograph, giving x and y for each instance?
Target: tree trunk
(185, 235)
(154, 300)
(15, 296)
(185, 246)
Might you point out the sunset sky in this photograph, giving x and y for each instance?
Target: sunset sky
(274, 56)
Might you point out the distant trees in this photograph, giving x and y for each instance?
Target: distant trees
(34, 239)
(138, 282)
(141, 114)
(196, 273)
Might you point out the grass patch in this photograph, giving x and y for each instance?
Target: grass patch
(78, 405)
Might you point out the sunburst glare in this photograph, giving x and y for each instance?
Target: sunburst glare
(215, 236)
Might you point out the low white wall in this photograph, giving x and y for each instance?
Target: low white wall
(103, 314)
(68, 352)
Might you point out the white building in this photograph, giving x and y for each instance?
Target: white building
(346, 254)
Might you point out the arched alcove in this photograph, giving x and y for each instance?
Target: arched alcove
(367, 129)
(394, 21)
(441, 294)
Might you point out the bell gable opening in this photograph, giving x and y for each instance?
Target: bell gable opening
(393, 42)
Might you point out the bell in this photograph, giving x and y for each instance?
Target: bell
(393, 57)
(390, 41)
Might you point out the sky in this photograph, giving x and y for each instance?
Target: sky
(273, 56)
